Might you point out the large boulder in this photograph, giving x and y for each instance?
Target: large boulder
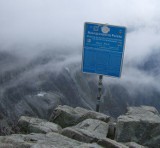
(67, 116)
(36, 125)
(109, 143)
(134, 145)
(89, 130)
(49, 140)
(140, 125)
(92, 130)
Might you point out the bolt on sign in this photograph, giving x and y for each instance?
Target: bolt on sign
(103, 49)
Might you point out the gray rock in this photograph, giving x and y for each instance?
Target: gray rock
(49, 140)
(92, 130)
(111, 130)
(5, 145)
(86, 114)
(15, 141)
(140, 125)
(108, 143)
(36, 125)
(134, 145)
(89, 130)
(67, 116)
(77, 135)
(95, 127)
(88, 145)
(85, 145)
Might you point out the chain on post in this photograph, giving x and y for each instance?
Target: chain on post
(100, 85)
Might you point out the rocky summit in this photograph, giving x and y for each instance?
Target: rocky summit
(141, 125)
(80, 128)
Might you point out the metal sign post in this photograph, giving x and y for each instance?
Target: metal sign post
(100, 85)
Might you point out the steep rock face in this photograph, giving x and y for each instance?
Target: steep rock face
(68, 116)
(141, 125)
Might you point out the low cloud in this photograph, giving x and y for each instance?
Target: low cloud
(27, 28)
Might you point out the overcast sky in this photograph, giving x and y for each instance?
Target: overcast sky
(60, 22)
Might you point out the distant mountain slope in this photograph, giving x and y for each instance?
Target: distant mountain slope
(36, 86)
(152, 64)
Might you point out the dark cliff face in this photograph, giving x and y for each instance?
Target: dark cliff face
(37, 85)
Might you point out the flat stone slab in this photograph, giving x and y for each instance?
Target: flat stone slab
(92, 130)
(108, 143)
(36, 125)
(49, 140)
(89, 130)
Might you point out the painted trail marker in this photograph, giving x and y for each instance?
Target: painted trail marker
(103, 50)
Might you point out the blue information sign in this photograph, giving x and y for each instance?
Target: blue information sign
(103, 49)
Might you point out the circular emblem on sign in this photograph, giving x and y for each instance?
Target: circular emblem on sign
(105, 29)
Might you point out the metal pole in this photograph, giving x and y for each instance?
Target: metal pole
(99, 92)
